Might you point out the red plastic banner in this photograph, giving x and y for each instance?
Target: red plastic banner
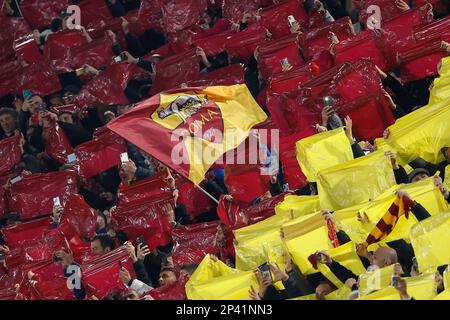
(99, 154)
(33, 195)
(10, 153)
(78, 219)
(57, 145)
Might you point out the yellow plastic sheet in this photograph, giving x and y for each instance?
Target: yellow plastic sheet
(375, 280)
(430, 239)
(422, 287)
(441, 90)
(216, 281)
(303, 237)
(346, 256)
(422, 133)
(323, 150)
(444, 66)
(444, 295)
(424, 192)
(340, 294)
(355, 182)
(298, 205)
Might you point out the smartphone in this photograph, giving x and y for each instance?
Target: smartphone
(56, 201)
(119, 58)
(320, 257)
(328, 101)
(26, 94)
(16, 179)
(140, 240)
(284, 62)
(2, 257)
(71, 158)
(42, 107)
(79, 72)
(124, 157)
(265, 271)
(394, 281)
(291, 20)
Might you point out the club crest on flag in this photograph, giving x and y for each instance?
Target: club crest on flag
(192, 112)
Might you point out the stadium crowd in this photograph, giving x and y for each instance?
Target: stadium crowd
(81, 202)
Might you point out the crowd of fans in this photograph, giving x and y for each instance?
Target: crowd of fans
(37, 115)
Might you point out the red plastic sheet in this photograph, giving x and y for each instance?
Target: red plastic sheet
(231, 213)
(389, 9)
(39, 249)
(371, 115)
(147, 17)
(317, 40)
(57, 145)
(175, 291)
(143, 189)
(193, 242)
(288, 156)
(225, 76)
(94, 11)
(220, 26)
(275, 54)
(194, 199)
(38, 78)
(33, 195)
(182, 14)
(176, 70)
(10, 30)
(27, 50)
(9, 84)
(10, 153)
(78, 219)
(39, 14)
(51, 283)
(245, 182)
(99, 154)
(100, 276)
(438, 29)
(214, 44)
(275, 18)
(58, 45)
(145, 218)
(288, 81)
(399, 31)
(108, 87)
(243, 44)
(263, 210)
(421, 61)
(365, 45)
(234, 9)
(3, 204)
(16, 235)
(96, 54)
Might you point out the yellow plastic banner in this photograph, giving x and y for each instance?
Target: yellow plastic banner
(422, 287)
(340, 294)
(375, 280)
(355, 182)
(298, 205)
(213, 280)
(422, 133)
(346, 256)
(323, 150)
(447, 177)
(430, 239)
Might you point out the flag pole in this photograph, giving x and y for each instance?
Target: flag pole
(210, 196)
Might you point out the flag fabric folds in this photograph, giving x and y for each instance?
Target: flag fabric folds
(209, 121)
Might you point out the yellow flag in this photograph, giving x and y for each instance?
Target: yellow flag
(355, 182)
(430, 239)
(190, 129)
(323, 150)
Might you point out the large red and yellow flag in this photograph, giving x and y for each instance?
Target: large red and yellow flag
(189, 129)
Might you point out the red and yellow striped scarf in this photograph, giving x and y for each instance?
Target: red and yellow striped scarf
(400, 207)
